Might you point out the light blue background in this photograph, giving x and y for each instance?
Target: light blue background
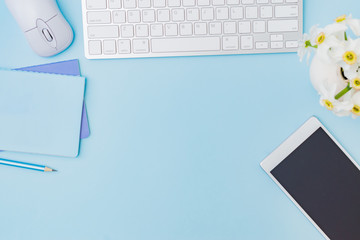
(175, 146)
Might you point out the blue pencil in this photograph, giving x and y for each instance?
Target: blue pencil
(26, 165)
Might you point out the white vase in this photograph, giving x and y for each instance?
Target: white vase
(327, 74)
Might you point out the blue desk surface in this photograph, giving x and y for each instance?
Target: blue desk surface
(175, 147)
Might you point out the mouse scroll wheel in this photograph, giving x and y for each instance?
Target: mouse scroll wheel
(47, 35)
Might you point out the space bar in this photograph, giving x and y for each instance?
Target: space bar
(185, 44)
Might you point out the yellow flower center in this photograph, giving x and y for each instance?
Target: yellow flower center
(350, 57)
(356, 110)
(328, 104)
(356, 83)
(320, 38)
(340, 19)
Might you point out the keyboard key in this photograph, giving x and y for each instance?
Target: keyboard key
(98, 17)
(222, 13)
(233, 2)
(230, 43)
(262, 45)
(192, 14)
(185, 29)
(109, 47)
(203, 2)
(229, 27)
(163, 15)
(95, 4)
(292, 44)
(144, 3)
(259, 26)
(124, 46)
(218, 2)
(174, 3)
(251, 12)
(114, 4)
(283, 26)
(247, 42)
(178, 14)
(277, 38)
(94, 47)
(207, 14)
(159, 3)
(188, 3)
(236, 13)
(200, 44)
(200, 28)
(266, 12)
(141, 45)
(248, 2)
(127, 31)
(277, 45)
(129, 4)
(148, 15)
(171, 29)
(156, 30)
(142, 30)
(119, 16)
(244, 27)
(215, 28)
(103, 31)
(134, 16)
(286, 11)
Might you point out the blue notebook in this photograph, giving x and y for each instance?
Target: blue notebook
(69, 67)
(40, 113)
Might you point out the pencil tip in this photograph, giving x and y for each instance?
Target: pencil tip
(54, 170)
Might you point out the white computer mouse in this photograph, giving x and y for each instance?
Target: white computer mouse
(45, 28)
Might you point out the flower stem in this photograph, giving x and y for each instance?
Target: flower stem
(308, 44)
(346, 38)
(343, 92)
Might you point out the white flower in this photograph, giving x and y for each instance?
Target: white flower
(356, 105)
(354, 24)
(339, 108)
(321, 39)
(347, 56)
(354, 81)
(307, 44)
(304, 48)
(336, 30)
(324, 50)
(332, 35)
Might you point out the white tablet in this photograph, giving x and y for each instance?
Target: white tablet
(317, 174)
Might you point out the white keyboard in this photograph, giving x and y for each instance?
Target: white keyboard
(157, 28)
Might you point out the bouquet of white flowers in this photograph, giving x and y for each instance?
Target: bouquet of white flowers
(335, 68)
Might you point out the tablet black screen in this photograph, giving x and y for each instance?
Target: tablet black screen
(325, 183)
